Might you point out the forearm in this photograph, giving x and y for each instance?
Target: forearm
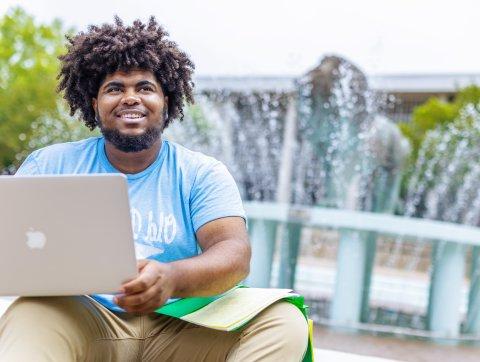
(224, 262)
(215, 271)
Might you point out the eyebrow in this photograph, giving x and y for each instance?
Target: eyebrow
(113, 83)
(145, 82)
(120, 84)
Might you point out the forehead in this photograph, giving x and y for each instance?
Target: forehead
(131, 76)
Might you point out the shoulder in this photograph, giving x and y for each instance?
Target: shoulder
(213, 192)
(64, 157)
(199, 170)
(191, 160)
(65, 149)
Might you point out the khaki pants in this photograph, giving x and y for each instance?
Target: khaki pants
(80, 329)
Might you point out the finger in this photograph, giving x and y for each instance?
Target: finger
(144, 281)
(148, 307)
(125, 282)
(141, 263)
(132, 306)
(137, 299)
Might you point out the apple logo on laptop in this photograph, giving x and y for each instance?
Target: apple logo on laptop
(35, 239)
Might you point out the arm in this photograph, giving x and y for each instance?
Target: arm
(224, 262)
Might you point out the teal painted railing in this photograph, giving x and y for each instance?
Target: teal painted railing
(355, 257)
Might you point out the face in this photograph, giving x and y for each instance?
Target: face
(130, 109)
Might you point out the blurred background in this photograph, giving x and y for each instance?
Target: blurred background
(352, 129)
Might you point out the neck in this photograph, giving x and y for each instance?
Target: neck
(132, 162)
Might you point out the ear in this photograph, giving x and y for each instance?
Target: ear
(94, 104)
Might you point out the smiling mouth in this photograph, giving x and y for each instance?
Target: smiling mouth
(131, 117)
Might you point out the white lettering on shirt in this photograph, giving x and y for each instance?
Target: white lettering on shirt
(152, 229)
(162, 230)
(136, 222)
(169, 229)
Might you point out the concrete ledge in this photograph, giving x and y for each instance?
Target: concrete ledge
(326, 355)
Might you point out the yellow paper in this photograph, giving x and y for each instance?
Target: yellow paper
(236, 307)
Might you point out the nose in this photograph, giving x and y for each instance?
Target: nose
(130, 98)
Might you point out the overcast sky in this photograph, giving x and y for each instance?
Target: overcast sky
(277, 37)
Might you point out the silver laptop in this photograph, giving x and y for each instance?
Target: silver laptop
(65, 235)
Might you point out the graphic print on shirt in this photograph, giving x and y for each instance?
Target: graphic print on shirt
(152, 235)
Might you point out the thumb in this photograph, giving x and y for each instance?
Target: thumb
(141, 264)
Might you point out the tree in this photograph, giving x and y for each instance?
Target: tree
(32, 114)
(437, 116)
(437, 113)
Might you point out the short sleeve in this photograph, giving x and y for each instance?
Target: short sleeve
(214, 195)
(28, 167)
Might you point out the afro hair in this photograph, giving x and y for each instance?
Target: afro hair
(102, 50)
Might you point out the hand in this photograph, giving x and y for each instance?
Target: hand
(150, 290)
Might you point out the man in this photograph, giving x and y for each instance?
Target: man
(131, 82)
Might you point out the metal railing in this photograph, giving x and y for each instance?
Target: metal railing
(355, 259)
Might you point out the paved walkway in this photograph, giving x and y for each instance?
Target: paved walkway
(389, 347)
(325, 355)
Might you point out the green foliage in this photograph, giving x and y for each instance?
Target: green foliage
(201, 125)
(434, 116)
(28, 98)
(444, 184)
(436, 113)
(196, 130)
(468, 95)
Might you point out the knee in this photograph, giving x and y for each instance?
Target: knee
(49, 318)
(293, 326)
(36, 309)
(287, 328)
(41, 327)
(31, 305)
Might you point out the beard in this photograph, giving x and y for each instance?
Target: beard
(127, 143)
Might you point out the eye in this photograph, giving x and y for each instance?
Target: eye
(113, 89)
(146, 88)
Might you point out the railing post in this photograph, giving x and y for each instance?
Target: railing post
(472, 323)
(448, 268)
(350, 278)
(290, 233)
(288, 254)
(262, 238)
(371, 246)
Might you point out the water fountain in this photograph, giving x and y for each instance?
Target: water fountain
(320, 143)
(445, 186)
(352, 159)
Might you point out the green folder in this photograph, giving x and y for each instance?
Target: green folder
(185, 306)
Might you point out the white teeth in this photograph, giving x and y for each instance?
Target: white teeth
(131, 115)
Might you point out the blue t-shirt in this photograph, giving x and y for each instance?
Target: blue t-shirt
(169, 200)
